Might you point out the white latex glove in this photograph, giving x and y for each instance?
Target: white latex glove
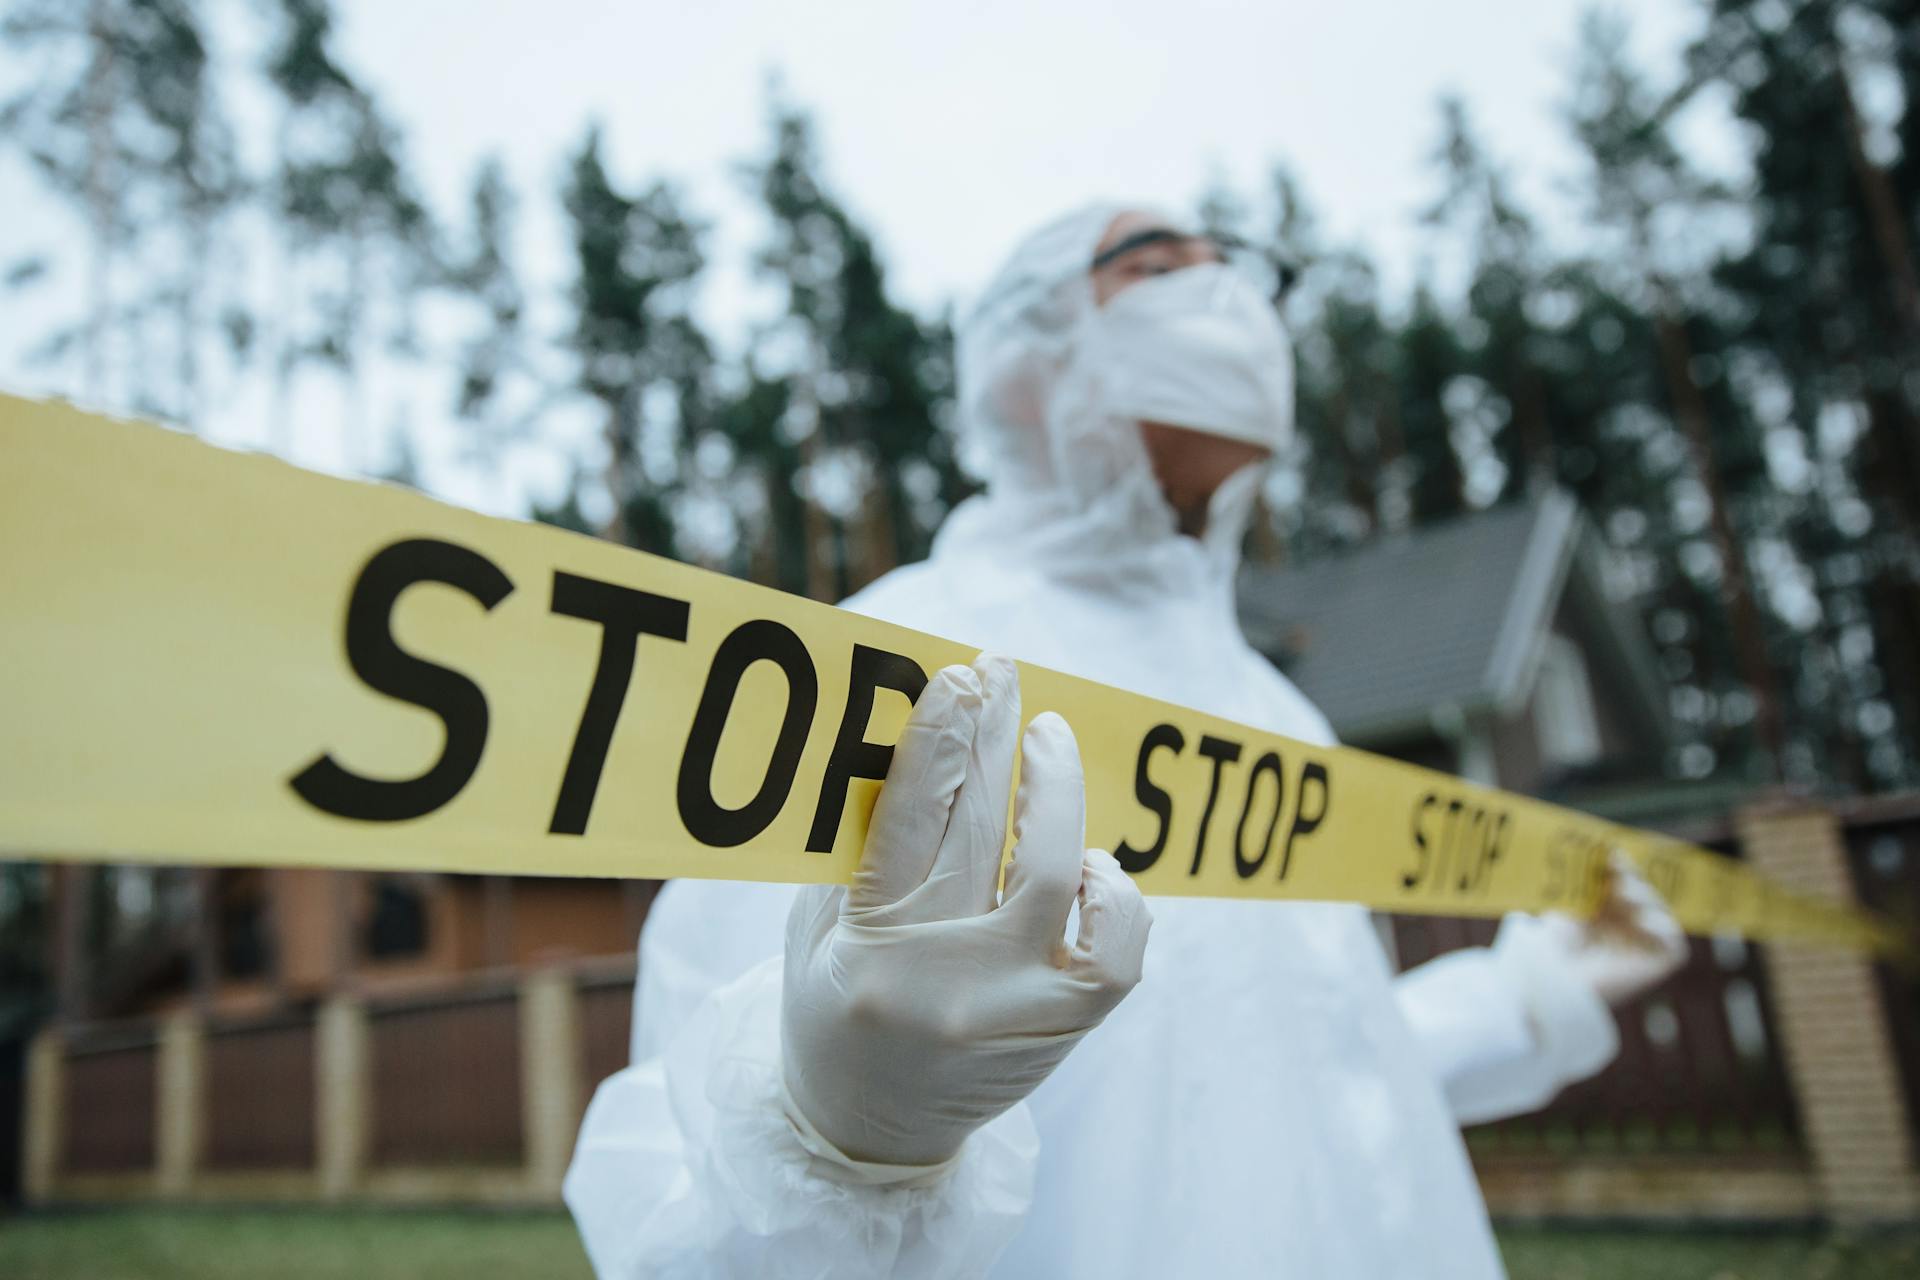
(1630, 945)
(920, 1004)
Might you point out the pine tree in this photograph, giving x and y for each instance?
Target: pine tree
(1824, 310)
(498, 391)
(640, 358)
(349, 218)
(120, 123)
(1506, 270)
(861, 435)
(196, 172)
(1638, 176)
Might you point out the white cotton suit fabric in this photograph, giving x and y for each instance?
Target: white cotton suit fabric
(1269, 1101)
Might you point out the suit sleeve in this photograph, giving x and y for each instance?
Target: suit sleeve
(687, 1164)
(1505, 1028)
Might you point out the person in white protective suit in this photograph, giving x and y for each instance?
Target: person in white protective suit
(1270, 1100)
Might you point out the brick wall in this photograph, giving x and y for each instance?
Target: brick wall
(1853, 1103)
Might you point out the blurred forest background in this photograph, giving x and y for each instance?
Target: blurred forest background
(1726, 372)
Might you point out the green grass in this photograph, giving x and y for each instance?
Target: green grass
(292, 1244)
(1539, 1253)
(307, 1244)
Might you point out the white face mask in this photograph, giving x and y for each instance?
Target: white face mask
(1198, 348)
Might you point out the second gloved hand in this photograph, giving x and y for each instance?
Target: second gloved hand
(1630, 945)
(920, 1003)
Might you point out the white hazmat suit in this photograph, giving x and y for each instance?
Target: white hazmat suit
(1270, 1100)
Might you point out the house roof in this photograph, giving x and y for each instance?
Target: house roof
(1445, 620)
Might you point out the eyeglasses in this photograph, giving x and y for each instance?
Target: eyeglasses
(1267, 268)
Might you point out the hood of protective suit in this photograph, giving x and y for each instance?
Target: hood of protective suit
(1053, 388)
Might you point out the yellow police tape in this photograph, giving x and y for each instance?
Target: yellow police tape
(214, 657)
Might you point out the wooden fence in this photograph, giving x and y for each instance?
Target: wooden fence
(473, 1093)
(1699, 1068)
(1883, 857)
(470, 1093)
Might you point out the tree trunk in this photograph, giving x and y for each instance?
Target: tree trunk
(1538, 465)
(1888, 229)
(1893, 612)
(101, 212)
(879, 552)
(1360, 481)
(73, 979)
(615, 529)
(1749, 639)
(200, 238)
(1883, 211)
(206, 937)
(356, 433)
(282, 348)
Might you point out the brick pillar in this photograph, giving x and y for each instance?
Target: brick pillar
(1828, 1014)
(549, 1074)
(342, 1103)
(45, 1117)
(180, 1112)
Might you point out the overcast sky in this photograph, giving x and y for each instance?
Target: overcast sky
(953, 129)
